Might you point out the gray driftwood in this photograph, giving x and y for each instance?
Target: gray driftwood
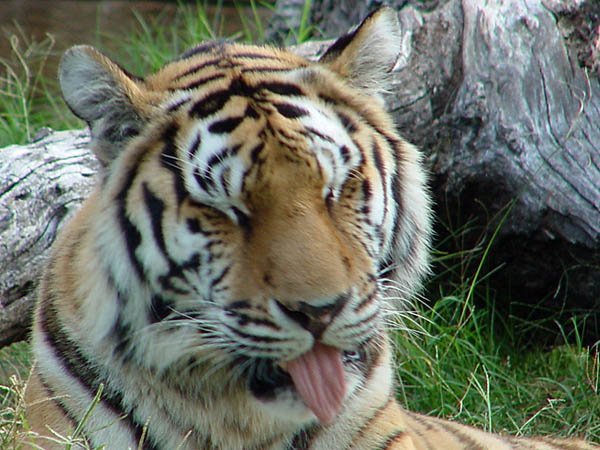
(41, 185)
(503, 96)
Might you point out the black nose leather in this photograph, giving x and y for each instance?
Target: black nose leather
(314, 318)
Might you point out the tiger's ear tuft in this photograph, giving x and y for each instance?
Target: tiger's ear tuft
(366, 56)
(100, 92)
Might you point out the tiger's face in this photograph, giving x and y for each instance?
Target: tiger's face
(249, 207)
(265, 236)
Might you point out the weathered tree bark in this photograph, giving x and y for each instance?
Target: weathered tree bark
(41, 185)
(502, 95)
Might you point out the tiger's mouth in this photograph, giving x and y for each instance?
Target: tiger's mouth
(267, 378)
(317, 377)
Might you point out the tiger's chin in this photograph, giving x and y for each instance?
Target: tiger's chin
(285, 404)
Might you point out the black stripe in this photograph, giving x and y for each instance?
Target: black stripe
(209, 245)
(367, 191)
(240, 304)
(196, 68)
(290, 111)
(378, 159)
(242, 219)
(261, 69)
(178, 105)
(251, 55)
(193, 149)
(210, 104)
(303, 439)
(192, 263)
(251, 112)
(311, 130)
(239, 87)
(256, 338)
(371, 355)
(160, 308)
(462, 436)
(176, 271)
(224, 180)
(347, 122)
(393, 141)
(167, 284)
(244, 320)
(364, 429)
(361, 153)
(204, 47)
(355, 328)
(397, 199)
(391, 439)
(219, 278)
(155, 207)
(255, 152)
(426, 422)
(345, 153)
(225, 126)
(205, 182)
(80, 368)
(130, 233)
(169, 160)
(367, 300)
(217, 159)
(280, 88)
(202, 81)
(56, 399)
(383, 174)
(193, 225)
(215, 101)
(330, 100)
(338, 46)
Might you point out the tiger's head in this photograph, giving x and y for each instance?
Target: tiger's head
(253, 210)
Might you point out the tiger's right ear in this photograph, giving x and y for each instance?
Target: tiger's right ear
(366, 56)
(100, 92)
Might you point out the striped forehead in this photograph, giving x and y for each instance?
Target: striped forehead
(225, 133)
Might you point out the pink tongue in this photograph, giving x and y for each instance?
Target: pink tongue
(319, 377)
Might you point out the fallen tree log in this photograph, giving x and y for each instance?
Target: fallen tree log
(501, 96)
(42, 185)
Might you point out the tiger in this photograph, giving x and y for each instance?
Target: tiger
(227, 284)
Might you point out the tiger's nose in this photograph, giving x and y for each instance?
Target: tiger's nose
(313, 318)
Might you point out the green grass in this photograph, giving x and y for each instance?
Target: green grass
(470, 370)
(462, 358)
(462, 355)
(15, 363)
(156, 40)
(28, 100)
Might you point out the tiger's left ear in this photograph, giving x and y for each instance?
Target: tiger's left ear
(366, 56)
(112, 102)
